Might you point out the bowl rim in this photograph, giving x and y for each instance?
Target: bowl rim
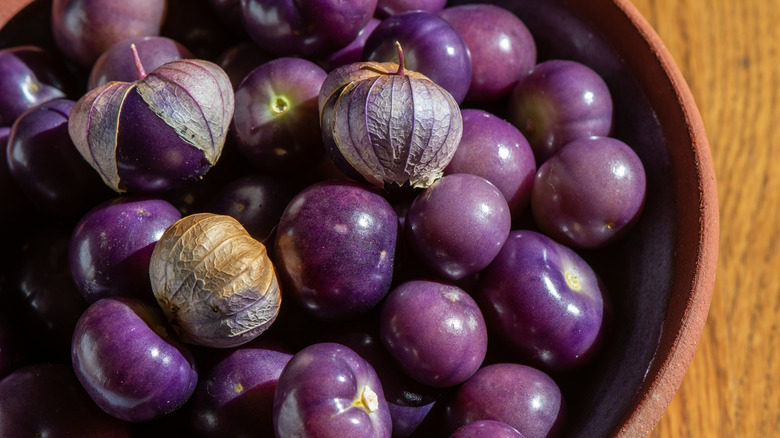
(698, 238)
(10, 8)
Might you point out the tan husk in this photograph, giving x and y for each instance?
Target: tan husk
(215, 283)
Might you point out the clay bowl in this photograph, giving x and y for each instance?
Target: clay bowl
(661, 276)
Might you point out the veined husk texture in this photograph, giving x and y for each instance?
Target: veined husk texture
(215, 283)
(193, 96)
(392, 129)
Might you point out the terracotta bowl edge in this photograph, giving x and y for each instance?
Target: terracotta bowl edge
(677, 349)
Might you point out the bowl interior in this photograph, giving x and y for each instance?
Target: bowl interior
(660, 276)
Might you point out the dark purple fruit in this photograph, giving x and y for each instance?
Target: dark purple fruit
(435, 331)
(328, 391)
(545, 299)
(521, 396)
(112, 244)
(130, 362)
(335, 248)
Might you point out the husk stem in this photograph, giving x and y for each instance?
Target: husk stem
(400, 71)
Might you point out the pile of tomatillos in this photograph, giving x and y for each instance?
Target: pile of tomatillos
(308, 218)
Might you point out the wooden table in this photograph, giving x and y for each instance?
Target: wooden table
(729, 52)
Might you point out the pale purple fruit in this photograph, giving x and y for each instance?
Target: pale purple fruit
(276, 115)
(501, 46)
(327, 390)
(431, 47)
(545, 299)
(83, 29)
(458, 225)
(112, 244)
(235, 397)
(521, 396)
(335, 247)
(129, 361)
(486, 428)
(47, 400)
(557, 102)
(118, 64)
(496, 150)
(435, 331)
(590, 193)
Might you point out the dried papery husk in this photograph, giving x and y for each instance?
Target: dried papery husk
(215, 283)
(192, 96)
(389, 126)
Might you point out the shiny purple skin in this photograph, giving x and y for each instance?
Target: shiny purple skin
(435, 331)
(235, 397)
(431, 46)
(327, 390)
(240, 59)
(28, 77)
(143, 166)
(128, 360)
(386, 8)
(486, 428)
(46, 400)
(352, 52)
(457, 225)
(521, 396)
(256, 201)
(276, 120)
(502, 48)
(83, 29)
(335, 249)
(590, 193)
(46, 165)
(496, 150)
(52, 303)
(305, 28)
(545, 300)
(117, 62)
(112, 244)
(557, 102)
(411, 403)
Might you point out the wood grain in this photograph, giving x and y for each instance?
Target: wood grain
(729, 53)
